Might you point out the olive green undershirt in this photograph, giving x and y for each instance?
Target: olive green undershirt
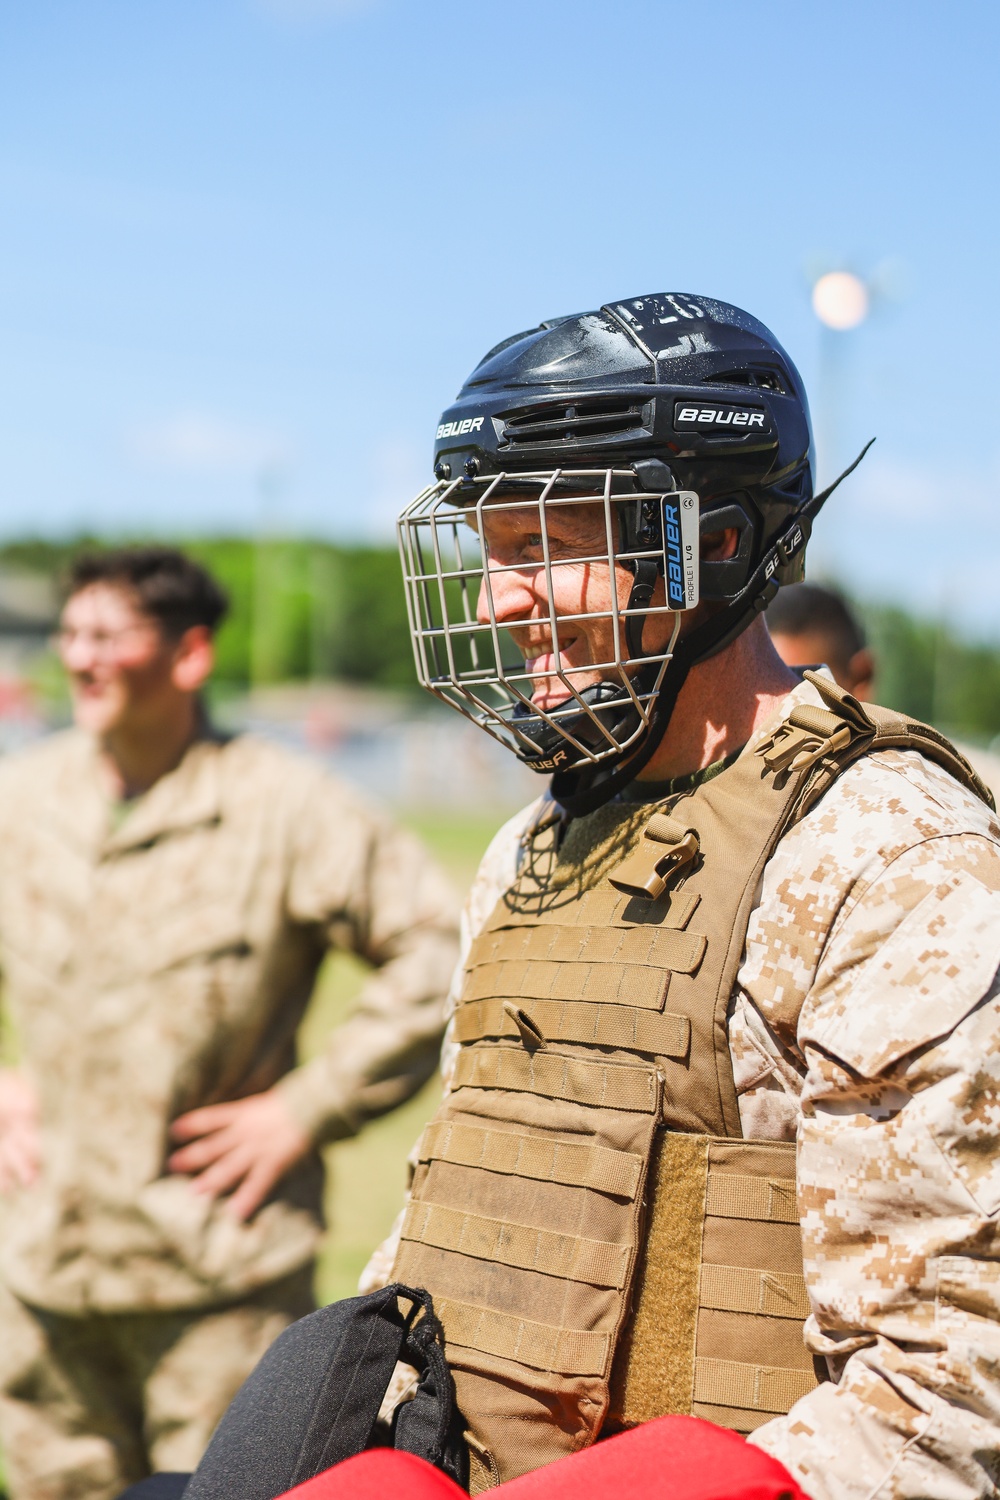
(658, 791)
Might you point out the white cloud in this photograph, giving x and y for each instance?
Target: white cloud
(200, 444)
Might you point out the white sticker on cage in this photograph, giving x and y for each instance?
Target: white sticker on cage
(680, 547)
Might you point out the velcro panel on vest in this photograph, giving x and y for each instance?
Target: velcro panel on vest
(514, 1154)
(653, 1373)
(660, 1033)
(606, 1085)
(720, 1295)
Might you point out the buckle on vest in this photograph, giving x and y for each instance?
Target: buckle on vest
(531, 1033)
(805, 737)
(647, 871)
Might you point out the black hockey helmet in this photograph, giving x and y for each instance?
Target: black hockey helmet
(664, 408)
(698, 384)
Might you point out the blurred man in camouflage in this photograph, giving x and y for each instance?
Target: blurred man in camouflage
(166, 898)
(810, 624)
(722, 1118)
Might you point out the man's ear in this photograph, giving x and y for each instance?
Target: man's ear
(194, 658)
(720, 546)
(861, 671)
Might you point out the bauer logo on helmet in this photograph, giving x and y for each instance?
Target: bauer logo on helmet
(716, 417)
(458, 429)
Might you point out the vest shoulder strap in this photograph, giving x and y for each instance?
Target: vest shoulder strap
(825, 741)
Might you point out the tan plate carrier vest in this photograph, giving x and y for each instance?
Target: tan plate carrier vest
(601, 1243)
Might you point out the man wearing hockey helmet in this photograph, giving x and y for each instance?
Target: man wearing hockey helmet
(720, 1127)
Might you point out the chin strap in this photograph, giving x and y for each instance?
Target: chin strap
(640, 596)
(813, 507)
(584, 790)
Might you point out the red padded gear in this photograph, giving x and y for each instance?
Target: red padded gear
(673, 1458)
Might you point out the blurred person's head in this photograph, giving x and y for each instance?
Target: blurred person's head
(810, 625)
(136, 639)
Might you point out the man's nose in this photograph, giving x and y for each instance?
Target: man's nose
(78, 652)
(514, 595)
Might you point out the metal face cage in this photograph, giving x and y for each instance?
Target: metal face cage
(556, 558)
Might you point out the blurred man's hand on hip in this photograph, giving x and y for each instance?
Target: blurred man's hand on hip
(243, 1148)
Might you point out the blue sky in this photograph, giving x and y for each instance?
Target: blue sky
(272, 236)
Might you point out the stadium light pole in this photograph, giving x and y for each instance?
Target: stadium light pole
(841, 301)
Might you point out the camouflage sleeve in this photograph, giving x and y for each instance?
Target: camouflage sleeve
(899, 1181)
(371, 888)
(497, 870)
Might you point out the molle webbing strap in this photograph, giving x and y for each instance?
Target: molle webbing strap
(601, 908)
(659, 1033)
(516, 1155)
(606, 1085)
(738, 1196)
(730, 1384)
(743, 1289)
(509, 1244)
(539, 1345)
(653, 946)
(609, 984)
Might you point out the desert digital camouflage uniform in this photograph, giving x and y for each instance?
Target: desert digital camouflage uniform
(163, 960)
(92, 1403)
(878, 928)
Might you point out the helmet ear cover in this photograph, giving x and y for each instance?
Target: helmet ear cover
(641, 525)
(725, 578)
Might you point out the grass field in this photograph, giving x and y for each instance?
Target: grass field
(366, 1176)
